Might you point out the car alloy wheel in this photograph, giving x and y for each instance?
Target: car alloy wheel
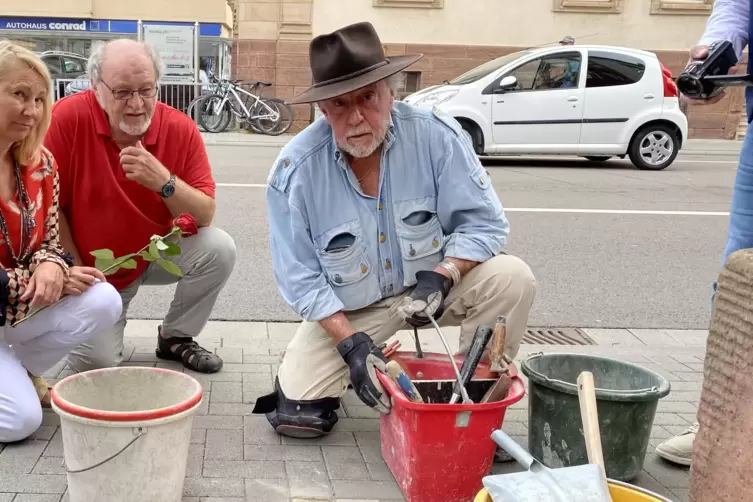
(656, 147)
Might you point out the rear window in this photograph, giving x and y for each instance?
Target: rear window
(608, 70)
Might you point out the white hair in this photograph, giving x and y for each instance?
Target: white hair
(97, 56)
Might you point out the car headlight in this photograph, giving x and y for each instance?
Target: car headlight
(436, 98)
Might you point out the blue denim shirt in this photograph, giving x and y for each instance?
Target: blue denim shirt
(335, 248)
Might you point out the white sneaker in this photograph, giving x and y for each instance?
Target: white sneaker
(679, 449)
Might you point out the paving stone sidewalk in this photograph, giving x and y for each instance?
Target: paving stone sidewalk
(234, 456)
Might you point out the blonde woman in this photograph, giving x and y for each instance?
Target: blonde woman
(34, 271)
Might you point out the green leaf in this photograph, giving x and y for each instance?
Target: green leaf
(155, 238)
(102, 263)
(172, 250)
(146, 256)
(153, 251)
(129, 264)
(110, 272)
(170, 267)
(104, 254)
(161, 245)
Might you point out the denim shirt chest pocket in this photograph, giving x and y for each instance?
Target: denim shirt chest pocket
(345, 261)
(420, 234)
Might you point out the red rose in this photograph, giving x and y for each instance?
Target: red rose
(187, 225)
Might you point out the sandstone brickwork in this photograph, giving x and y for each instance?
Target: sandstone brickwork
(722, 469)
(285, 63)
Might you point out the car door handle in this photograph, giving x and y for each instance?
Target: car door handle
(572, 99)
(648, 96)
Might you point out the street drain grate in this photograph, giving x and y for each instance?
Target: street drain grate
(556, 336)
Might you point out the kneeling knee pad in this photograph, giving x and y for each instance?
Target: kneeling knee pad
(298, 419)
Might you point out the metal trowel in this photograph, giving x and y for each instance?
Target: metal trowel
(583, 483)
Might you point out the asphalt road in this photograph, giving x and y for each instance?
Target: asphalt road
(601, 257)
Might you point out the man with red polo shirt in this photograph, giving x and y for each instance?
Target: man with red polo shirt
(128, 165)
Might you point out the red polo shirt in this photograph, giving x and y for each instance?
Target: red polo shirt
(103, 208)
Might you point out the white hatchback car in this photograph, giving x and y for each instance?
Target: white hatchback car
(542, 102)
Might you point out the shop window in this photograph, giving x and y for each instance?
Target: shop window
(410, 82)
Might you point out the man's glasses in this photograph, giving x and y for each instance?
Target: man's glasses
(125, 94)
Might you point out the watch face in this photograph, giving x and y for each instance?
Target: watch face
(168, 190)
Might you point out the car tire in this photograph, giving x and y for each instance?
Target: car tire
(472, 135)
(649, 147)
(600, 158)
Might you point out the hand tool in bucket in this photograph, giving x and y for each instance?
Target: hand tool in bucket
(583, 483)
(453, 363)
(478, 344)
(499, 363)
(590, 419)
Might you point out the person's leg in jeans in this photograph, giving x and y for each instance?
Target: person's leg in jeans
(679, 449)
(39, 343)
(207, 259)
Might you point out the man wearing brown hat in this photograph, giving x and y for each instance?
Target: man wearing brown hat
(380, 215)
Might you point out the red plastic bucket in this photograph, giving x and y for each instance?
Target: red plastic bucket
(440, 452)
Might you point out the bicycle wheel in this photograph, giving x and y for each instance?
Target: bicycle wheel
(276, 117)
(287, 115)
(192, 108)
(211, 118)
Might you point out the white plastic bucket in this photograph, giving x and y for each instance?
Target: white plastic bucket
(126, 433)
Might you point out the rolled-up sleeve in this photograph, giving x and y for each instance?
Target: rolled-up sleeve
(728, 21)
(296, 268)
(468, 206)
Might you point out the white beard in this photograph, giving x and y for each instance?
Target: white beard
(135, 130)
(123, 126)
(363, 151)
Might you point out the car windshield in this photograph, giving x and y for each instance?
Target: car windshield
(486, 68)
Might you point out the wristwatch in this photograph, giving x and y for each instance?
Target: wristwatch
(169, 188)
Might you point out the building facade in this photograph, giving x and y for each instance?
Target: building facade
(456, 35)
(72, 26)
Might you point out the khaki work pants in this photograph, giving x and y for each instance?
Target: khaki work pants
(504, 285)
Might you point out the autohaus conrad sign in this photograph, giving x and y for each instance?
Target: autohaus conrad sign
(43, 24)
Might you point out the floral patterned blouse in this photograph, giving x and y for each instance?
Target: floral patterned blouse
(42, 188)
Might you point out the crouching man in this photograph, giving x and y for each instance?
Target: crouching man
(380, 214)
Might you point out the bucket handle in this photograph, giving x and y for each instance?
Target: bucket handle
(619, 392)
(140, 431)
(623, 393)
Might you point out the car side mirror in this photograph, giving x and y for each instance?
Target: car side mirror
(508, 82)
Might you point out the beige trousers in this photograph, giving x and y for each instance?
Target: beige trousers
(504, 285)
(207, 259)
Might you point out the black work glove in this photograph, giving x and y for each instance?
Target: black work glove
(426, 298)
(364, 358)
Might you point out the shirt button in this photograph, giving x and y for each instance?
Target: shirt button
(388, 265)
(380, 205)
(382, 237)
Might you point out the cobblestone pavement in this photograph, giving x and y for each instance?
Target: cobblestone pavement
(234, 456)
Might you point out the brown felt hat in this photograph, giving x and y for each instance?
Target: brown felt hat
(348, 59)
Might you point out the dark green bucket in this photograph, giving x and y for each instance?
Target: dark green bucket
(626, 398)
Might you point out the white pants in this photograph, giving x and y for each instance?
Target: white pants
(39, 343)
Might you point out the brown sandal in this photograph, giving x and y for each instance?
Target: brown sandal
(43, 390)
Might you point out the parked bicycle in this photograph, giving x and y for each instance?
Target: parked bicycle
(269, 116)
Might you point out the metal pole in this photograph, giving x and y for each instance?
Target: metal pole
(139, 26)
(196, 69)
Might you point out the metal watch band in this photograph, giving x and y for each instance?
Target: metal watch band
(453, 270)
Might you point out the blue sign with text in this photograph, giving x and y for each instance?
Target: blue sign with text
(113, 26)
